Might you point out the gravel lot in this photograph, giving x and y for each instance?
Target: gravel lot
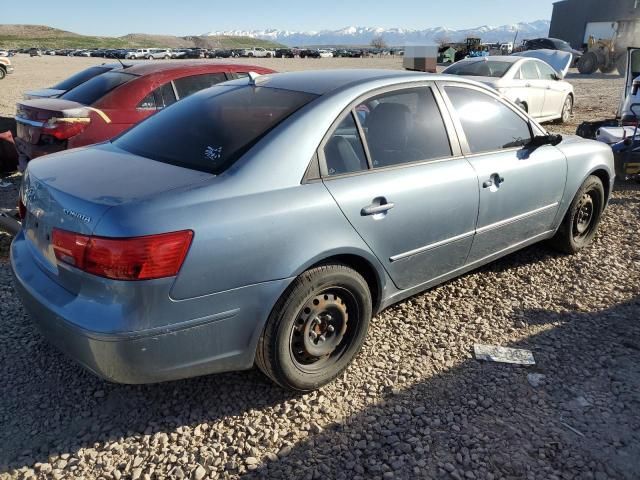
(414, 405)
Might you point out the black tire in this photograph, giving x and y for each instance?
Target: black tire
(268, 55)
(316, 328)
(2, 73)
(581, 222)
(588, 64)
(567, 110)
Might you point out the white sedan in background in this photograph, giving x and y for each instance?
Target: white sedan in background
(536, 85)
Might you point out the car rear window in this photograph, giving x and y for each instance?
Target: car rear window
(96, 88)
(481, 68)
(74, 80)
(212, 129)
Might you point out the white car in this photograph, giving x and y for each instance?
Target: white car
(326, 53)
(158, 53)
(138, 53)
(259, 52)
(4, 53)
(535, 85)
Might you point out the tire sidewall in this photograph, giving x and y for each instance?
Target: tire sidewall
(591, 183)
(289, 374)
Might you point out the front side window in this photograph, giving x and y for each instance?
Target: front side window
(211, 130)
(488, 124)
(529, 71)
(546, 71)
(402, 127)
(189, 85)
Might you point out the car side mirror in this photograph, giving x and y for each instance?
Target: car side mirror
(542, 140)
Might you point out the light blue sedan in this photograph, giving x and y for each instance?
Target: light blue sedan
(265, 220)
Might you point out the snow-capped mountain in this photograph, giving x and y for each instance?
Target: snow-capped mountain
(394, 36)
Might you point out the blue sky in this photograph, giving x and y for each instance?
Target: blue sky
(193, 17)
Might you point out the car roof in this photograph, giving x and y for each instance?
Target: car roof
(320, 82)
(148, 68)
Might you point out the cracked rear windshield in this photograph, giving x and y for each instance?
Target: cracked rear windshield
(210, 130)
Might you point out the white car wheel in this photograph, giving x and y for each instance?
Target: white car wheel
(567, 109)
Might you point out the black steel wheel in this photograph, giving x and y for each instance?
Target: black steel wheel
(581, 222)
(316, 328)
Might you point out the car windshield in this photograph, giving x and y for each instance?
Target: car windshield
(210, 130)
(480, 68)
(96, 88)
(74, 80)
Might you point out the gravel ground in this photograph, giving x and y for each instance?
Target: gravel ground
(415, 404)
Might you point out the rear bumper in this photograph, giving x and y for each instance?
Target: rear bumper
(223, 341)
(29, 151)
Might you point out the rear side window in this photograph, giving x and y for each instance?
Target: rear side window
(189, 85)
(529, 71)
(402, 127)
(209, 131)
(488, 124)
(344, 152)
(96, 88)
(160, 98)
(74, 80)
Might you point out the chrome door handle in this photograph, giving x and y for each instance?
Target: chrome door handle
(374, 209)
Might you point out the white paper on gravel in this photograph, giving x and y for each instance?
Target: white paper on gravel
(494, 353)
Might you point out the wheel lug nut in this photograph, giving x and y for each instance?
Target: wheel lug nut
(330, 329)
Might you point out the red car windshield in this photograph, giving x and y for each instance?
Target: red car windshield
(210, 130)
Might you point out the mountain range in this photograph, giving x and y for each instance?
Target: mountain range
(393, 36)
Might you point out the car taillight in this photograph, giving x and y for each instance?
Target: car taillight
(136, 258)
(64, 128)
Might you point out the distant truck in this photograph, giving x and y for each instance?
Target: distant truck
(5, 67)
(607, 46)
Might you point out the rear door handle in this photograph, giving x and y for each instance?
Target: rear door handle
(374, 209)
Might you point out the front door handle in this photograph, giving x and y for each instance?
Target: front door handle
(375, 209)
(494, 180)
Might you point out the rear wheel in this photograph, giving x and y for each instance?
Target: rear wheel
(588, 64)
(2, 73)
(581, 222)
(316, 328)
(567, 110)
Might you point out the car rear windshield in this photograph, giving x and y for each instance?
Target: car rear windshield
(74, 80)
(212, 129)
(481, 68)
(96, 88)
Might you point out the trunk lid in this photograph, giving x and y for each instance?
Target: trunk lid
(43, 93)
(73, 190)
(33, 117)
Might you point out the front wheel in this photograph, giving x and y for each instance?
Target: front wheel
(2, 73)
(581, 222)
(316, 328)
(588, 64)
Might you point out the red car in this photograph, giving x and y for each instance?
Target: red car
(108, 104)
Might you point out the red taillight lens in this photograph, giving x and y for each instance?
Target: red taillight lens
(64, 128)
(138, 258)
(22, 209)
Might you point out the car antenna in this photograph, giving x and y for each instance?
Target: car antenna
(123, 65)
(253, 78)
